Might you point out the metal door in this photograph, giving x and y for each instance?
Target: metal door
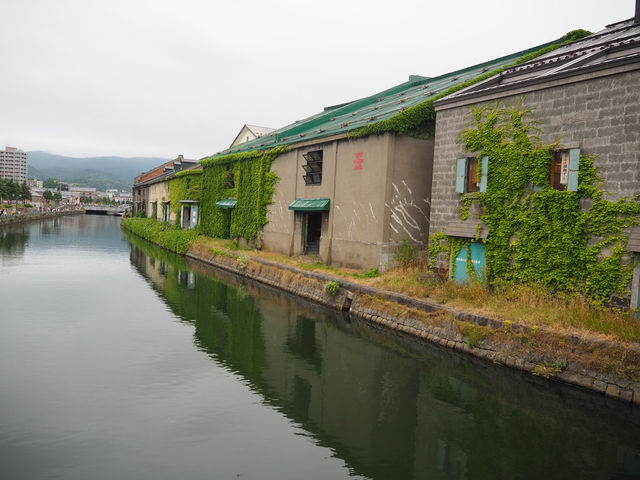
(477, 259)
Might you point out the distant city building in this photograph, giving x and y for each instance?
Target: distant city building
(125, 197)
(34, 183)
(83, 192)
(112, 193)
(13, 164)
(250, 132)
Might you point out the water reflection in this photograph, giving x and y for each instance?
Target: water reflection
(14, 239)
(388, 407)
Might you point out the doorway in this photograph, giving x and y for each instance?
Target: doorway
(313, 230)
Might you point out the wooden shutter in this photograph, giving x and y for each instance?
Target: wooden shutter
(484, 174)
(461, 173)
(574, 166)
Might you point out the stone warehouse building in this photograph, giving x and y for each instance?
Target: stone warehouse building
(13, 165)
(585, 96)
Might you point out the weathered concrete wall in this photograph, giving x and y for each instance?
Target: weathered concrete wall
(357, 216)
(277, 235)
(379, 189)
(408, 194)
(158, 192)
(600, 116)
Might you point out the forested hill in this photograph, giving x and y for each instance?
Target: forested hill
(99, 172)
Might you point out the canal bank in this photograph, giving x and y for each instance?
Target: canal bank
(34, 216)
(602, 365)
(599, 365)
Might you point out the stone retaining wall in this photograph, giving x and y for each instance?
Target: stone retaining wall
(587, 362)
(28, 217)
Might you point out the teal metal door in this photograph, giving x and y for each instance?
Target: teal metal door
(477, 259)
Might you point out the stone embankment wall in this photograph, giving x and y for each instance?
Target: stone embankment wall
(28, 217)
(589, 362)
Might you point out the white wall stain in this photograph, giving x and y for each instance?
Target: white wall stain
(406, 215)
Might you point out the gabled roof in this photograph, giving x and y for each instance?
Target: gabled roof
(344, 118)
(618, 45)
(165, 170)
(259, 131)
(255, 131)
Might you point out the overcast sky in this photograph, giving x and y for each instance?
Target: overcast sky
(163, 77)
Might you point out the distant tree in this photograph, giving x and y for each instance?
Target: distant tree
(57, 196)
(50, 183)
(25, 192)
(13, 190)
(47, 195)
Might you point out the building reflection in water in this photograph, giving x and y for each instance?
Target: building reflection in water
(389, 407)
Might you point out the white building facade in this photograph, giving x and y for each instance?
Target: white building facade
(13, 164)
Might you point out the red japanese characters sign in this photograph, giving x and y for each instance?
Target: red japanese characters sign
(358, 161)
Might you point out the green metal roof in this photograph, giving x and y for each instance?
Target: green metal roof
(310, 205)
(343, 118)
(227, 203)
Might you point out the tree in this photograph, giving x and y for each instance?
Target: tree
(13, 190)
(47, 195)
(51, 183)
(25, 192)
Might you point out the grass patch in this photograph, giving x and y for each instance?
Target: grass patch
(475, 334)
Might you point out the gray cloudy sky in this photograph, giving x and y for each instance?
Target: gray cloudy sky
(162, 77)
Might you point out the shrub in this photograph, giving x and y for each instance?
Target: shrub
(332, 287)
(406, 254)
(167, 236)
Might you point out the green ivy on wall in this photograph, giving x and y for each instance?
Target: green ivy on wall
(563, 240)
(253, 187)
(187, 185)
(419, 120)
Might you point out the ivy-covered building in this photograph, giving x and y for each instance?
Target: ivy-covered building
(350, 184)
(536, 174)
(151, 193)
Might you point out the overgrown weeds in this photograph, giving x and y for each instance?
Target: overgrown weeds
(529, 305)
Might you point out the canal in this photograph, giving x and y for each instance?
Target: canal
(121, 360)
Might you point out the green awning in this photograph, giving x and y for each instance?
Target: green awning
(227, 203)
(310, 205)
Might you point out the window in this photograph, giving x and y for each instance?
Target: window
(313, 168)
(564, 170)
(467, 175)
(166, 211)
(229, 178)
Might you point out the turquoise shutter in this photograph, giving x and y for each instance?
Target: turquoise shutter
(484, 175)
(574, 166)
(461, 173)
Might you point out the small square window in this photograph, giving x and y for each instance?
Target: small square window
(313, 168)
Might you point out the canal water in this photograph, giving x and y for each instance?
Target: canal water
(121, 360)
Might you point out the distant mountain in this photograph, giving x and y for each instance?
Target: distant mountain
(99, 172)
